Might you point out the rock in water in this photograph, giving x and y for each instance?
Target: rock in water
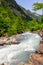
(40, 49)
(36, 59)
(5, 63)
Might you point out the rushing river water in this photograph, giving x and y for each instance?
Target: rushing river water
(17, 53)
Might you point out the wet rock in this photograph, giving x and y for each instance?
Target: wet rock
(40, 32)
(26, 64)
(2, 41)
(21, 63)
(9, 40)
(5, 63)
(40, 49)
(36, 59)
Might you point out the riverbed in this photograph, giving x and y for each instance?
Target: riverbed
(28, 43)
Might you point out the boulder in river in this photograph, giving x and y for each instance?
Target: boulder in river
(36, 59)
(40, 49)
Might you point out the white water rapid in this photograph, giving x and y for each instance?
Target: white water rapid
(28, 42)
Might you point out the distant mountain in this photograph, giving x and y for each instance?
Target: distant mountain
(17, 9)
(16, 19)
(33, 15)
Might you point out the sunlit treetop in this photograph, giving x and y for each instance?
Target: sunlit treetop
(37, 6)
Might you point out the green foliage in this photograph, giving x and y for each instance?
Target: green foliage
(7, 21)
(20, 24)
(41, 19)
(37, 6)
(11, 24)
(34, 25)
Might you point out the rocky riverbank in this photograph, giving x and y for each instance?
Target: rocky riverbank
(40, 32)
(13, 39)
(35, 58)
(9, 40)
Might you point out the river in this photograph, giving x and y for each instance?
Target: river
(14, 54)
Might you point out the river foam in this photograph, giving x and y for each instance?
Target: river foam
(28, 42)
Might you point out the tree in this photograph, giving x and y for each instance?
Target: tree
(20, 24)
(38, 6)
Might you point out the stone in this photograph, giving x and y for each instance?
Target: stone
(36, 59)
(21, 63)
(40, 48)
(5, 63)
(9, 40)
(40, 32)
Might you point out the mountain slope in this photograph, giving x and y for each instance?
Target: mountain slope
(11, 19)
(33, 15)
(16, 19)
(17, 9)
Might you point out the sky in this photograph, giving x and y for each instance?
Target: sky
(27, 4)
